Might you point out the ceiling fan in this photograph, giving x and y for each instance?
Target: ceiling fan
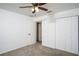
(35, 7)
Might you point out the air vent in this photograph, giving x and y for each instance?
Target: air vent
(49, 11)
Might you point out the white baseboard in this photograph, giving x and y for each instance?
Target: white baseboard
(1, 52)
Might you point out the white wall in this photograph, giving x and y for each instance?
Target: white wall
(40, 18)
(15, 30)
(67, 13)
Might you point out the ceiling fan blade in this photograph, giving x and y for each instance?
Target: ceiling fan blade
(40, 4)
(43, 8)
(26, 7)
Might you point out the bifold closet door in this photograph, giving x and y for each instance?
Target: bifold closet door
(67, 34)
(52, 35)
(60, 41)
(48, 34)
(63, 34)
(75, 34)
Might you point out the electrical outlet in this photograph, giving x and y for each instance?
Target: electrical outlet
(29, 33)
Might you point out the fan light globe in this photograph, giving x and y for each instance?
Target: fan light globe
(32, 9)
(36, 8)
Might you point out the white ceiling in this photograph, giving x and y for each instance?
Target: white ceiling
(54, 7)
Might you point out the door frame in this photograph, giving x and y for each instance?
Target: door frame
(37, 31)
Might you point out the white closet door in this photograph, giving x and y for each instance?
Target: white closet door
(48, 34)
(67, 34)
(75, 34)
(51, 33)
(63, 34)
(60, 41)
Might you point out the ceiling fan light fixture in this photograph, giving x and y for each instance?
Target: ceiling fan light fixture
(32, 9)
(36, 8)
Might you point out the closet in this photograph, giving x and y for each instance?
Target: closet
(67, 34)
(61, 34)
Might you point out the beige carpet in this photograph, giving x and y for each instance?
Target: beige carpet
(37, 50)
